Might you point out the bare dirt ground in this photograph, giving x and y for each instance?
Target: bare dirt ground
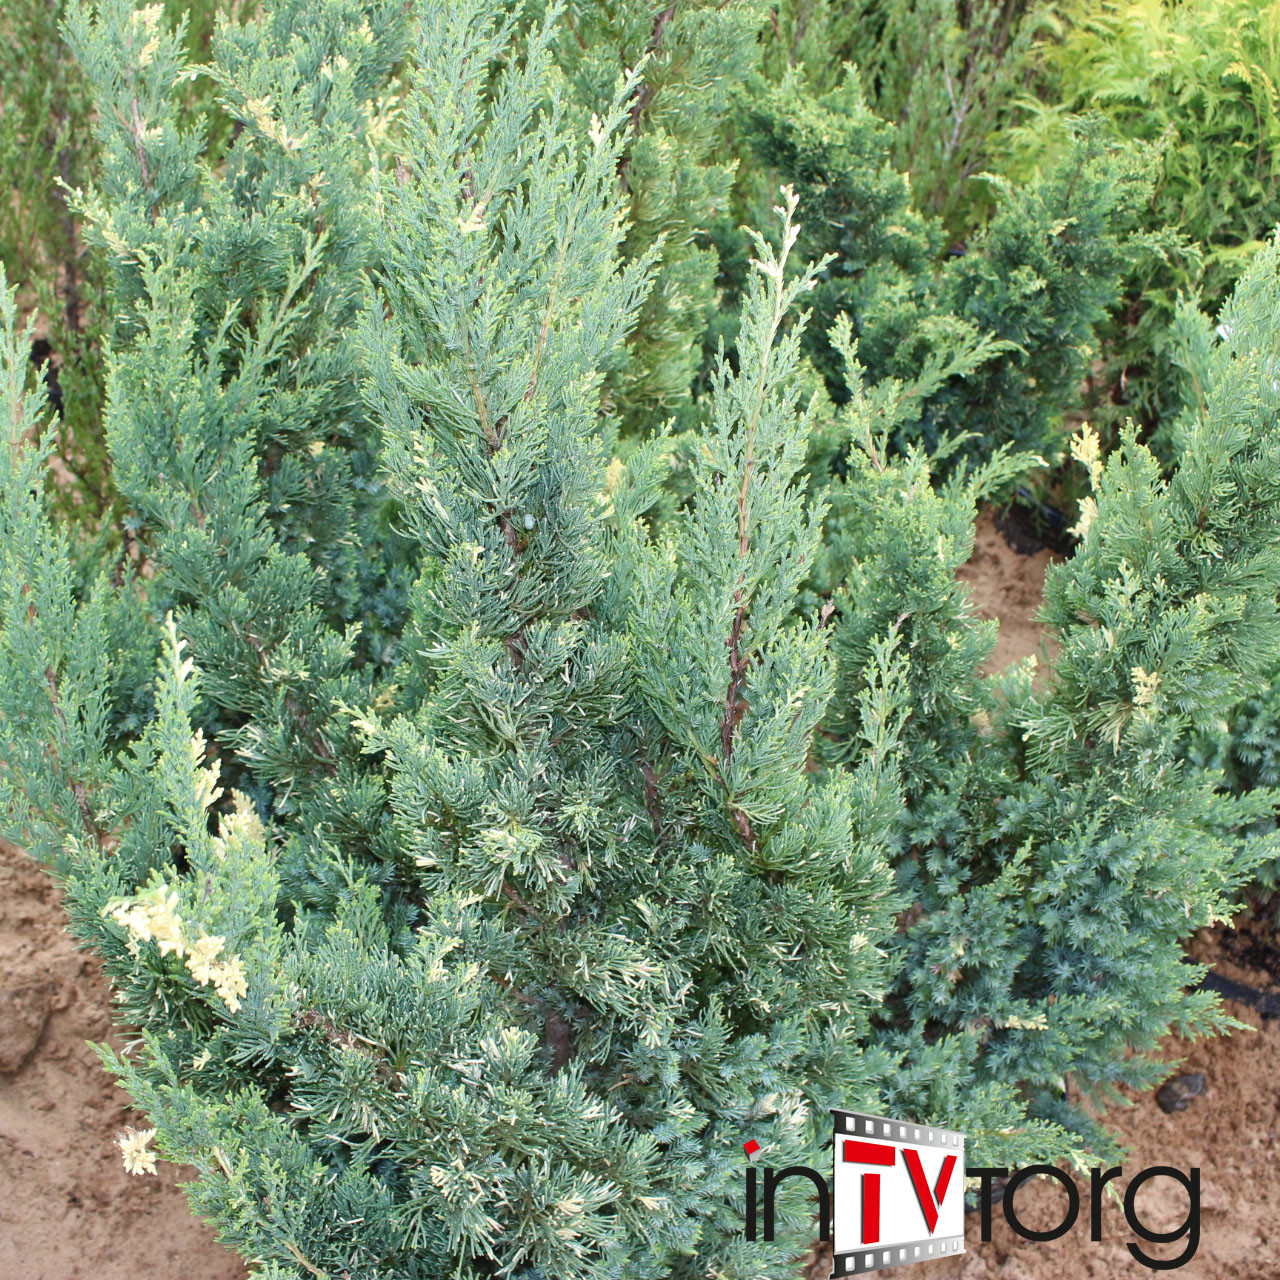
(1008, 586)
(68, 1210)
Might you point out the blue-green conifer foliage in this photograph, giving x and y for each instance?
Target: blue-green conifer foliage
(494, 803)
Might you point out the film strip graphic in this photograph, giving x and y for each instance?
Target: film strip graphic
(898, 1192)
(859, 1262)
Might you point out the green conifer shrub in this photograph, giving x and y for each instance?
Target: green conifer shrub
(1058, 843)
(484, 845)
(233, 413)
(47, 147)
(1015, 316)
(615, 920)
(1199, 81)
(1011, 318)
(946, 73)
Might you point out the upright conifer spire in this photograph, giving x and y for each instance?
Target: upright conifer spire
(608, 758)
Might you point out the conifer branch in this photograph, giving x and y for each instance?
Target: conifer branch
(735, 706)
(77, 789)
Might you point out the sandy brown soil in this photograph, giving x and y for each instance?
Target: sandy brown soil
(68, 1210)
(1008, 586)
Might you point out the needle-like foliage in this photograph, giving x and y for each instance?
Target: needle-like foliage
(487, 833)
(611, 922)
